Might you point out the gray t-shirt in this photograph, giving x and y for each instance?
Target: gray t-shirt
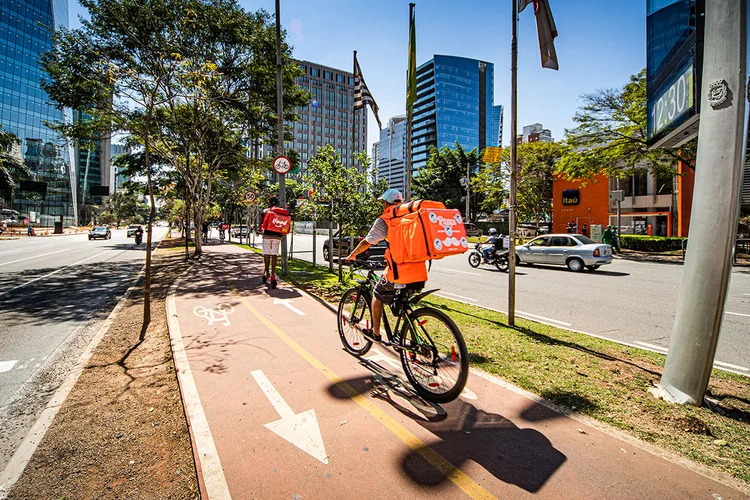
(378, 232)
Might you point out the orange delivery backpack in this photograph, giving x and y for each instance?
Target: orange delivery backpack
(419, 231)
(277, 220)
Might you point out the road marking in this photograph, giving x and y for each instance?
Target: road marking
(455, 295)
(6, 366)
(53, 272)
(653, 346)
(456, 271)
(530, 315)
(288, 304)
(456, 475)
(205, 448)
(738, 314)
(302, 430)
(729, 365)
(746, 294)
(34, 257)
(219, 314)
(25, 249)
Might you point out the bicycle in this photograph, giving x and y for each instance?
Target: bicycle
(435, 362)
(221, 236)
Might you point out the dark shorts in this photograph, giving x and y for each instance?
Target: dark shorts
(385, 291)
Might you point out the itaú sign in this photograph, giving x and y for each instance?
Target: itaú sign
(571, 197)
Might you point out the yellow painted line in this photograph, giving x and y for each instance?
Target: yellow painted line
(457, 476)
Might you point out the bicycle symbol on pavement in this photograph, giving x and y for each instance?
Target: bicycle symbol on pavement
(217, 315)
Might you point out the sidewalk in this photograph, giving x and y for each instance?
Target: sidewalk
(278, 410)
(668, 258)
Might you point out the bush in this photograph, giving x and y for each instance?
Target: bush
(651, 243)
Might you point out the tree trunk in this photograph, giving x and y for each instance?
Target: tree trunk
(341, 246)
(149, 233)
(86, 176)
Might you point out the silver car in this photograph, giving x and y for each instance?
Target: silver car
(573, 250)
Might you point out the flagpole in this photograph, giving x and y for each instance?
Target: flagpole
(513, 169)
(409, 109)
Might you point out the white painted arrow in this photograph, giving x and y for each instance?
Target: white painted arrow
(300, 429)
(288, 303)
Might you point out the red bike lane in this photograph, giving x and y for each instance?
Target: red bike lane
(279, 410)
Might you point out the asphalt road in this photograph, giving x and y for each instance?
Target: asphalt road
(55, 293)
(628, 301)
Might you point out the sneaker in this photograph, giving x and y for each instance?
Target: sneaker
(367, 332)
(273, 281)
(265, 278)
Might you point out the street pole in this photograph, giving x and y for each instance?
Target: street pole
(468, 173)
(409, 117)
(722, 136)
(513, 171)
(619, 224)
(280, 129)
(249, 228)
(313, 255)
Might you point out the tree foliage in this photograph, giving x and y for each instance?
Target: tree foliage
(12, 167)
(121, 205)
(611, 136)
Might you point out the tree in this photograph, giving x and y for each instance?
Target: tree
(121, 204)
(611, 136)
(12, 167)
(350, 192)
(491, 184)
(440, 180)
(537, 165)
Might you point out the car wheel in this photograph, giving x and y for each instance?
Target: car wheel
(592, 268)
(326, 254)
(575, 265)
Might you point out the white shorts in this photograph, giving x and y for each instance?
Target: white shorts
(271, 246)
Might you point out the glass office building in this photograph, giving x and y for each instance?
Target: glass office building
(389, 154)
(454, 103)
(24, 35)
(497, 126)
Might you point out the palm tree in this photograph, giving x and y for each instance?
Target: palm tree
(11, 167)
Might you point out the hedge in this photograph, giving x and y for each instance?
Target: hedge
(651, 243)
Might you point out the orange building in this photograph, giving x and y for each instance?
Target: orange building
(580, 202)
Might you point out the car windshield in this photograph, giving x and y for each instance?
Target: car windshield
(100, 229)
(584, 239)
(132, 227)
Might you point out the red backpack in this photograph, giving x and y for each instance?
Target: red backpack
(277, 220)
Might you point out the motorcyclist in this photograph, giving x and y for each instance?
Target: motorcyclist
(138, 235)
(497, 244)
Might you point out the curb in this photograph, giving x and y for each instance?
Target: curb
(210, 474)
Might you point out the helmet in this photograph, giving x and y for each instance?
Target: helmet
(392, 196)
(493, 231)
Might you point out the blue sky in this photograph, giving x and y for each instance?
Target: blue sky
(600, 44)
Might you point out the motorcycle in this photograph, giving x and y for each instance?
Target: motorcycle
(499, 259)
(138, 239)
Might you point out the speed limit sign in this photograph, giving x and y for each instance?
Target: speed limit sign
(282, 164)
(250, 196)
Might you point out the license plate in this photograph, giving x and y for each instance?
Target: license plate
(607, 251)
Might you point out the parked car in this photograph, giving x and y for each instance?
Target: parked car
(374, 253)
(472, 230)
(573, 250)
(131, 230)
(239, 230)
(102, 232)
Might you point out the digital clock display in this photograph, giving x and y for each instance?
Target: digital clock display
(673, 103)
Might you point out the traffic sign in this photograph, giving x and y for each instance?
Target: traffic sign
(492, 154)
(282, 164)
(250, 196)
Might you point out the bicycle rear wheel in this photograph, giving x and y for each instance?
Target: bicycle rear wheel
(434, 357)
(354, 314)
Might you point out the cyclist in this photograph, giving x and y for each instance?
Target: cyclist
(385, 290)
(204, 230)
(496, 242)
(271, 245)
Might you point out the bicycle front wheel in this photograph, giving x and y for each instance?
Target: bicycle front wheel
(434, 355)
(354, 315)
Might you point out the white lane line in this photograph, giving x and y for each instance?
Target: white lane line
(729, 365)
(25, 249)
(739, 314)
(53, 272)
(456, 271)
(455, 295)
(211, 469)
(530, 315)
(33, 257)
(746, 294)
(6, 366)
(653, 346)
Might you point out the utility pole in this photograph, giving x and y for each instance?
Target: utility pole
(280, 125)
(722, 136)
(513, 169)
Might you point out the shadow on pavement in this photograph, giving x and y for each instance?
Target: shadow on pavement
(523, 457)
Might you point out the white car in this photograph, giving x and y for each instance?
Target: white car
(576, 251)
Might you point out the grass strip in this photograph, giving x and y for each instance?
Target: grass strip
(598, 378)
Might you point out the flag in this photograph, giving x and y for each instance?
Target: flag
(546, 30)
(411, 72)
(362, 96)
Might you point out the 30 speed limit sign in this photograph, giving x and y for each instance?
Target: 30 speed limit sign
(250, 196)
(282, 164)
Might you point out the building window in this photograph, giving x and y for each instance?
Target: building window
(314, 72)
(328, 75)
(340, 78)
